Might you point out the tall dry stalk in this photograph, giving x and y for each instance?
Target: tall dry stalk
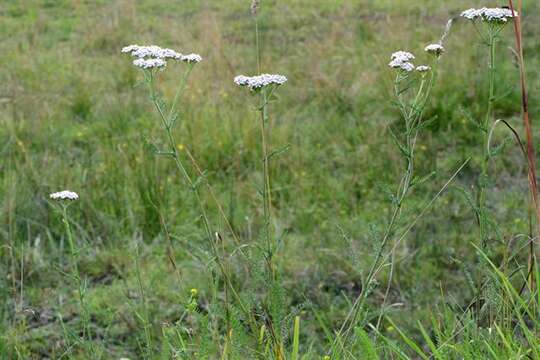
(533, 186)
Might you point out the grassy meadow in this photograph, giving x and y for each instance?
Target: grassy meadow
(75, 114)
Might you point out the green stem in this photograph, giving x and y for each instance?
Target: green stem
(485, 145)
(411, 117)
(146, 319)
(167, 125)
(76, 275)
(266, 185)
(180, 89)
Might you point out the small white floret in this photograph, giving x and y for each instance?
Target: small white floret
(403, 56)
(191, 58)
(64, 195)
(500, 15)
(130, 48)
(435, 49)
(150, 63)
(169, 54)
(152, 51)
(423, 68)
(470, 14)
(260, 81)
(402, 65)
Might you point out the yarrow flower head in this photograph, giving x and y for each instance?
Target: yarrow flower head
(191, 58)
(435, 49)
(490, 15)
(151, 51)
(423, 68)
(64, 195)
(149, 57)
(401, 60)
(260, 81)
(402, 56)
(150, 63)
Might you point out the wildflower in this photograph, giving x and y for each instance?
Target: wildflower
(169, 54)
(423, 68)
(403, 65)
(147, 51)
(260, 81)
(191, 58)
(401, 60)
(194, 292)
(152, 51)
(130, 48)
(64, 195)
(149, 63)
(470, 14)
(491, 15)
(402, 56)
(435, 49)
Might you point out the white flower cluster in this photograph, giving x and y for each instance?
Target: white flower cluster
(423, 68)
(64, 195)
(402, 60)
(259, 81)
(435, 49)
(150, 63)
(191, 58)
(151, 51)
(489, 14)
(157, 56)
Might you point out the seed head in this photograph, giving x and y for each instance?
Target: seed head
(64, 195)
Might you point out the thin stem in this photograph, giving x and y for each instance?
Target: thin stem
(266, 184)
(533, 186)
(483, 181)
(257, 45)
(173, 152)
(180, 89)
(146, 319)
(76, 275)
(412, 117)
(485, 145)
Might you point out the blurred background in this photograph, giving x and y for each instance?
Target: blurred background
(74, 115)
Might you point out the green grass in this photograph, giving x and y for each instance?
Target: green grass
(74, 114)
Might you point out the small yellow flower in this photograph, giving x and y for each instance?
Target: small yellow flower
(326, 357)
(180, 147)
(390, 328)
(194, 292)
